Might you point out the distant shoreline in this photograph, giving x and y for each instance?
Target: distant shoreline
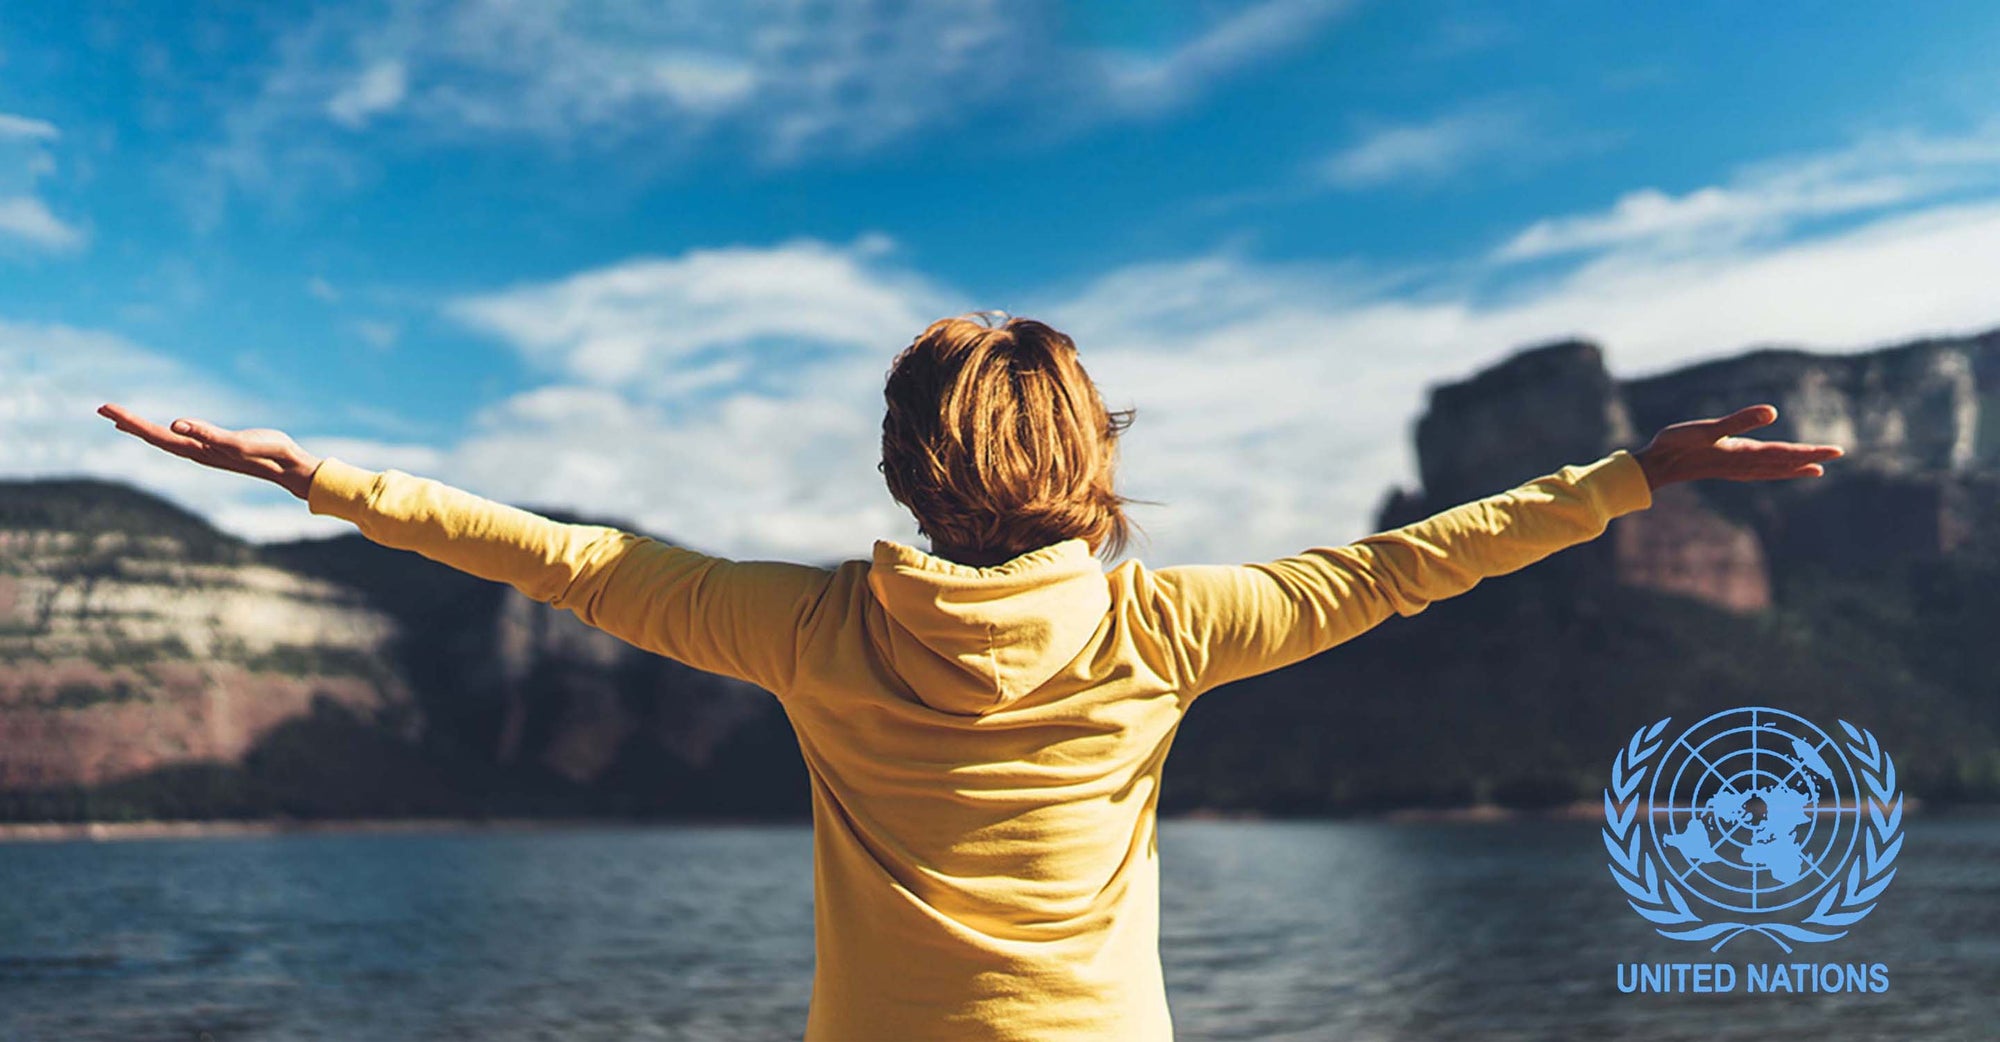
(111, 831)
(62, 831)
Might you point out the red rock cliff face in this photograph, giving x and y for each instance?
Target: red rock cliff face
(123, 653)
(135, 637)
(1919, 459)
(1679, 546)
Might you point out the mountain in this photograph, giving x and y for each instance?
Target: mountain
(151, 666)
(1865, 595)
(135, 638)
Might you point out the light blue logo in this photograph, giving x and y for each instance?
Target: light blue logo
(1753, 821)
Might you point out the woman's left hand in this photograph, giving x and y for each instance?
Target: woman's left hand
(259, 452)
(1699, 450)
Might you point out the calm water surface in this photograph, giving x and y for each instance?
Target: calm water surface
(1269, 931)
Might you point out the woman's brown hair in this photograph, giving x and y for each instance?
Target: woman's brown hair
(996, 439)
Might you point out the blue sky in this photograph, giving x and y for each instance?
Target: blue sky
(652, 264)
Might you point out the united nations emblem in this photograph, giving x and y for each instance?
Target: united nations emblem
(1753, 821)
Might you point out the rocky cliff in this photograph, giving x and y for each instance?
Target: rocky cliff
(145, 654)
(1919, 470)
(134, 636)
(1868, 595)
(515, 689)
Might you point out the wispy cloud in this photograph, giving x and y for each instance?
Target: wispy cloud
(30, 220)
(378, 88)
(1879, 172)
(1140, 82)
(26, 161)
(22, 128)
(1427, 150)
(654, 322)
(781, 81)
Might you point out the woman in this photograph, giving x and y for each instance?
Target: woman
(985, 723)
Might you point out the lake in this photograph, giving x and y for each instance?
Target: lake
(1270, 930)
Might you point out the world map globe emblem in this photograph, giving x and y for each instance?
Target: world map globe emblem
(1753, 820)
(1754, 810)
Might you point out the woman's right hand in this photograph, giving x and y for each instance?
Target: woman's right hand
(1701, 449)
(259, 452)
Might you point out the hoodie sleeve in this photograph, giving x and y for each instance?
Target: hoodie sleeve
(1236, 621)
(737, 618)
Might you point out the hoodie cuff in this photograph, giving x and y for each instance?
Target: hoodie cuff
(341, 489)
(1619, 483)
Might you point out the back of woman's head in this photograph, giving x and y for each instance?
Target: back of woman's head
(997, 440)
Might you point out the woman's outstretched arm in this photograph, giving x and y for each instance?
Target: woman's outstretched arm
(1235, 621)
(737, 618)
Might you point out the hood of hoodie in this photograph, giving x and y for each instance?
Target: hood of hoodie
(971, 640)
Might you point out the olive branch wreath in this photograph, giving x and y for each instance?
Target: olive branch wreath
(1651, 891)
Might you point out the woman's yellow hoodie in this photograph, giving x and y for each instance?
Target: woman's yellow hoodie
(984, 744)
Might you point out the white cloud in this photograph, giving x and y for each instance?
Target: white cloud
(1274, 401)
(725, 397)
(778, 458)
(1897, 278)
(53, 378)
(1425, 150)
(1878, 172)
(653, 321)
(702, 83)
(1153, 81)
(1280, 425)
(28, 219)
(378, 89)
(24, 163)
(405, 456)
(22, 128)
(788, 475)
(731, 398)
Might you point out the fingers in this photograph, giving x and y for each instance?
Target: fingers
(1773, 469)
(1746, 419)
(188, 438)
(1794, 451)
(258, 453)
(1746, 459)
(151, 432)
(201, 430)
(1810, 470)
